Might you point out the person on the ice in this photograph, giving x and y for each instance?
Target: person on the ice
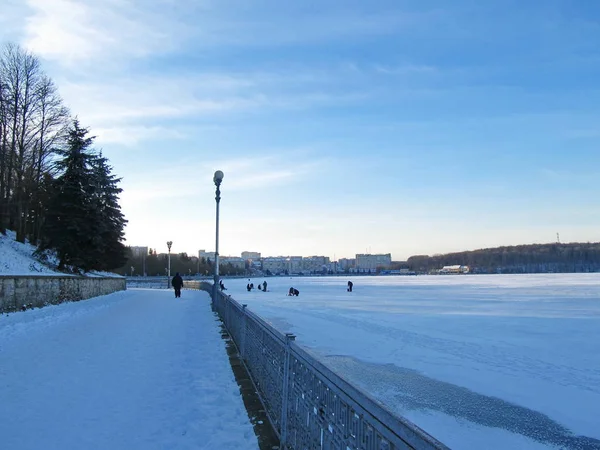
(264, 286)
(177, 283)
(350, 284)
(222, 286)
(248, 287)
(293, 291)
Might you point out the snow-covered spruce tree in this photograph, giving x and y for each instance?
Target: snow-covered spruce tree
(111, 253)
(84, 224)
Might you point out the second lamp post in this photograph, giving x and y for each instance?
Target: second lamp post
(217, 178)
(169, 243)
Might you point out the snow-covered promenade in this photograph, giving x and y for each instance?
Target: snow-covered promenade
(131, 370)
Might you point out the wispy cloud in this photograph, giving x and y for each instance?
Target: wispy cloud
(147, 102)
(189, 177)
(71, 31)
(132, 135)
(267, 169)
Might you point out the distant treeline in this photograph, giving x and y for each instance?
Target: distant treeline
(534, 258)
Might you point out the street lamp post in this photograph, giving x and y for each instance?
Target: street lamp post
(169, 243)
(217, 178)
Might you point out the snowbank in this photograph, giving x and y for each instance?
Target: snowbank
(18, 258)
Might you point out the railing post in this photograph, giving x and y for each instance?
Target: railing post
(243, 333)
(227, 312)
(289, 337)
(213, 298)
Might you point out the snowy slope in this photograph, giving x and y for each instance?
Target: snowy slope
(17, 258)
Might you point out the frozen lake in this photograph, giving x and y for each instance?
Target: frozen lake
(478, 361)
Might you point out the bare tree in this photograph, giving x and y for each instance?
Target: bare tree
(11, 67)
(27, 108)
(3, 145)
(51, 124)
(32, 120)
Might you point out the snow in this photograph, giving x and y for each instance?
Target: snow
(16, 258)
(509, 360)
(131, 370)
(478, 361)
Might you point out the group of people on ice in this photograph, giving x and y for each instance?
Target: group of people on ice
(177, 283)
(262, 287)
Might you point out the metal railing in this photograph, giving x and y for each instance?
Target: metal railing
(310, 406)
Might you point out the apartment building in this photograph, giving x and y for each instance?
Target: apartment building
(275, 264)
(206, 255)
(370, 263)
(254, 256)
(315, 264)
(282, 264)
(235, 261)
(346, 263)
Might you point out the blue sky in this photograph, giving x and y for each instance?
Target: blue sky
(410, 127)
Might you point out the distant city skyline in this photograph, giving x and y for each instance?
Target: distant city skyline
(406, 127)
(333, 257)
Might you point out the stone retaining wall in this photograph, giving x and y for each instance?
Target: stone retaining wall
(17, 292)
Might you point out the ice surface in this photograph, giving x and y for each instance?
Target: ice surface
(513, 357)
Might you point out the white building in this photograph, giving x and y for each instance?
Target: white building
(370, 263)
(315, 264)
(235, 261)
(206, 255)
(346, 263)
(282, 264)
(275, 264)
(254, 256)
(294, 264)
(455, 269)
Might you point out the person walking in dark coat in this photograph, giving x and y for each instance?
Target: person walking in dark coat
(350, 284)
(177, 283)
(264, 286)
